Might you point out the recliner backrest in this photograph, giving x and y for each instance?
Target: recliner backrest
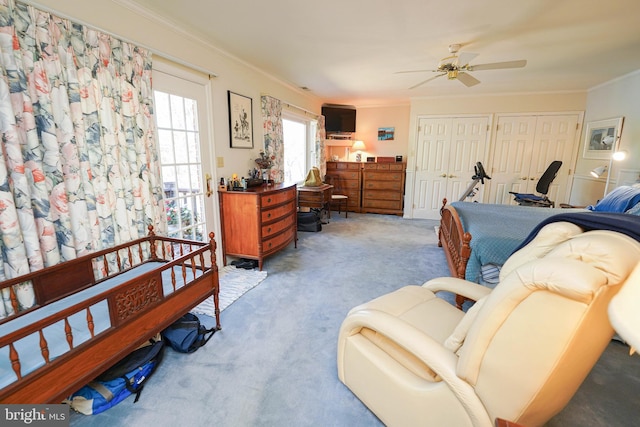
(541, 330)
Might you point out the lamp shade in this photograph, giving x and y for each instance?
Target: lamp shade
(358, 145)
(623, 310)
(597, 172)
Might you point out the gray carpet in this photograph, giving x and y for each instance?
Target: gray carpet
(274, 362)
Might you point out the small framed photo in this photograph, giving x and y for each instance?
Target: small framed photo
(601, 138)
(240, 120)
(386, 134)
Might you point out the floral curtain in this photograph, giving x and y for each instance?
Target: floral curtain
(79, 169)
(273, 135)
(321, 156)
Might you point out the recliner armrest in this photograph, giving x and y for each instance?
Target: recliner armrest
(438, 358)
(458, 286)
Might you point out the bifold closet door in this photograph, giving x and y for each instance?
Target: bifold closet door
(523, 149)
(447, 150)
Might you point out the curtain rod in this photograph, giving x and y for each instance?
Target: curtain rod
(36, 5)
(315, 115)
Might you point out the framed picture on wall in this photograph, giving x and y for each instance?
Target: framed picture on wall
(601, 138)
(240, 120)
(386, 134)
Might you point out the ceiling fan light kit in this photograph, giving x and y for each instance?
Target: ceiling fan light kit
(456, 67)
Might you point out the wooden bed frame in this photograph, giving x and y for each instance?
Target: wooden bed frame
(137, 309)
(455, 242)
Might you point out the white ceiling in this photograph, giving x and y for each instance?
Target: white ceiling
(347, 51)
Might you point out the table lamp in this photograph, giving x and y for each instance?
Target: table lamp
(359, 146)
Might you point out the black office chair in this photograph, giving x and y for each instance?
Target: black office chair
(528, 199)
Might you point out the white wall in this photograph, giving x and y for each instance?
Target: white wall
(127, 21)
(618, 98)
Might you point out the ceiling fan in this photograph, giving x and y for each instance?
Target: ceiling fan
(457, 67)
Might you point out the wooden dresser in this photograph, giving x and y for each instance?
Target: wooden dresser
(346, 178)
(258, 222)
(383, 187)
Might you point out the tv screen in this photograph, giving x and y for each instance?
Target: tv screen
(339, 118)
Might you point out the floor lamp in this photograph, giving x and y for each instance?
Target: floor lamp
(597, 172)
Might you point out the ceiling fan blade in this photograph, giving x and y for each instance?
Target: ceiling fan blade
(467, 79)
(414, 71)
(498, 65)
(465, 57)
(428, 80)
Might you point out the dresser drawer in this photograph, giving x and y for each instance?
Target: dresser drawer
(382, 176)
(381, 204)
(278, 241)
(383, 185)
(344, 166)
(276, 227)
(268, 215)
(369, 195)
(276, 198)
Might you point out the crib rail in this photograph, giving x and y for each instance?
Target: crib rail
(130, 303)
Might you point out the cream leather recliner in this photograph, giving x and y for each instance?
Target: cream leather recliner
(520, 353)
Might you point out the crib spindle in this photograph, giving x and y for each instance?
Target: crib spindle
(90, 323)
(193, 267)
(140, 252)
(14, 299)
(68, 333)
(105, 264)
(130, 256)
(15, 361)
(118, 261)
(173, 279)
(184, 274)
(44, 347)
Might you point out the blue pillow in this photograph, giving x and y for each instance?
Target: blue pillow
(634, 210)
(620, 199)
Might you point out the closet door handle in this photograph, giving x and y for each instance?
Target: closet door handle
(452, 176)
(524, 178)
(444, 175)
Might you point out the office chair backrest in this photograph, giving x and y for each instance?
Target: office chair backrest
(547, 177)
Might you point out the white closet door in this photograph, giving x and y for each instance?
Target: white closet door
(447, 150)
(432, 166)
(512, 157)
(524, 147)
(555, 139)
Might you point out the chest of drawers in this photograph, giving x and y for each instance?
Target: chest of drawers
(258, 222)
(383, 187)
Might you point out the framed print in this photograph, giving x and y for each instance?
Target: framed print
(240, 120)
(386, 134)
(601, 138)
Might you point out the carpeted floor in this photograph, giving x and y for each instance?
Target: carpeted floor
(274, 361)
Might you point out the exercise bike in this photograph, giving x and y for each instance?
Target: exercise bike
(479, 176)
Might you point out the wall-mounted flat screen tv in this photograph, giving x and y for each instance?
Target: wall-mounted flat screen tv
(339, 118)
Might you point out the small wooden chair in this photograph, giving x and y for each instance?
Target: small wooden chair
(339, 199)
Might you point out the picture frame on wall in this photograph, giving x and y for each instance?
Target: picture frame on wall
(240, 120)
(386, 134)
(601, 138)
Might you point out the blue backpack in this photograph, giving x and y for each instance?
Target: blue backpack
(187, 334)
(120, 381)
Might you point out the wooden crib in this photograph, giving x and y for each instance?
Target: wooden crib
(92, 311)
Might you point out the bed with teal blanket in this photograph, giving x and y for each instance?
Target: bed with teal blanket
(88, 313)
(478, 237)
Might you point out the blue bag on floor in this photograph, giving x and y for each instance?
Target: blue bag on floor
(187, 334)
(125, 378)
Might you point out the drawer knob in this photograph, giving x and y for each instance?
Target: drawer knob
(269, 230)
(269, 200)
(269, 215)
